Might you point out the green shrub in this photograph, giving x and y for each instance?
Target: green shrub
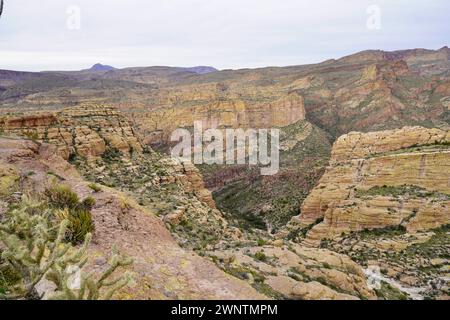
(111, 154)
(80, 224)
(95, 187)
(61, 197)
(71, 209)
(261, 256)
(88, 203)
(33, 135)
(261, 242)
(388, 292)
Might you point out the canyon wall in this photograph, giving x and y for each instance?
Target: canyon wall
(222, 113)
(381, 179)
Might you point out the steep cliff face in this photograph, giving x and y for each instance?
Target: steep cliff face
(225, 112)
(381, 179)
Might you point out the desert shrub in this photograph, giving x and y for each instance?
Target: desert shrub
(124, 203)
(61, 197)
(9, 181)
(261, 242)
(88, 203)
(68, 207)
(8, 277)
(261, 256)
(33, 135)
(33, 250)
(80, 224)
(111, 154)
(95, 187)
(388, 292)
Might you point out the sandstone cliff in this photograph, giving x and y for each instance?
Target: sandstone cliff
(381, 179)
(84, 131)
(214, 111)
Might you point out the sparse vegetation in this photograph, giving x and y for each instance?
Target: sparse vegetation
(256, 280)
(33, 249)
(62, 196)
(261, 242)
(399, 191)
(388, 292)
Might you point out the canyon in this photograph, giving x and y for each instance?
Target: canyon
(364, 178)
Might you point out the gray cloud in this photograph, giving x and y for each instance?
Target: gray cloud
(222, 33)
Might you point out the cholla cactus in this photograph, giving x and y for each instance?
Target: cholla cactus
(34, 249)
(90, 287)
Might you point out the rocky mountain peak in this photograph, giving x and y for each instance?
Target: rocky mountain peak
(101, 67)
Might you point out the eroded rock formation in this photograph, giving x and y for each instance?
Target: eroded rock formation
(279, 110)
(381, 179)
(85, 130)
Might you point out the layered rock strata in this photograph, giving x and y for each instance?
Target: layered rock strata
(381, 179)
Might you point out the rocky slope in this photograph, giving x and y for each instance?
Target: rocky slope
(287, 270)
(384, 200)
(161, 269)
(102, 143)
(269, 202)
(382, 179)
(158, 193)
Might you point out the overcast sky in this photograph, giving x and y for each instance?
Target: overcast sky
(44, 35)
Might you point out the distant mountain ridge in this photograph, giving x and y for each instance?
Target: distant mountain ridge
(197, 69)
(100, 67)
(202, 69)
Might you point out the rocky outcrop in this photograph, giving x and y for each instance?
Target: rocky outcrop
(194, 183)
(381, 179)
(86, 131)
(297, 272)
(385, 71)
